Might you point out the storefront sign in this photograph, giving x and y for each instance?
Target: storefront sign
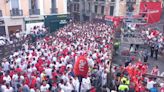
(62, 22)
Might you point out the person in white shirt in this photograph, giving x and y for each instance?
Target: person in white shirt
(6, 65)
(48, 71)
(63, 86)
(7, 78)
(44, 87)
(104, 77)
(86, 84)
(7, 88)
(150, 84)
(90, 61)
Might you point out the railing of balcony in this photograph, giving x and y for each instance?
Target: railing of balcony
(34, 11)
(0, 13)
(100, 2)
(54, 10)
(16, 12)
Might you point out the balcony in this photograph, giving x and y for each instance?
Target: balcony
(131, 1)
(54, 10)
(101, 2)
(0, 13)
(34, 11)
(16, 12)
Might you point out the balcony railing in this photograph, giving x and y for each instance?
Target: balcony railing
(0, 13)
(102, 2)
(34, 11)
(54, 10)
(16, 12)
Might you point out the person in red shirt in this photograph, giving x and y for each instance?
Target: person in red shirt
(1, 78)
(32, 82)
(155, 71)
(18, 70)
(34, 53)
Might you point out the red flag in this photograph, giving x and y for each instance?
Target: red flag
(81, 67)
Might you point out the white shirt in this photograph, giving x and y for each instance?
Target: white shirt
(94, 56)
(70, 66)
(64, 88)
(104, 78)
(6, 66)
(48, 72)
(66, 58)
(86, 84)
(18, 61)
(5, 89)
(15, 77)
(44, 88)
(150, 84)
(7, 79)
(90, 62)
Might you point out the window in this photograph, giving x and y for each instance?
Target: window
(112, 0)
(111, 10)
(53, 3)
(89, 6)
(76, 7)
(34, 4)
(102, 9)
(15, 4)
(96, 8)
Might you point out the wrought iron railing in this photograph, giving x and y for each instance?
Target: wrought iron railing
(34, 11)
(54, 10)
(16, 12)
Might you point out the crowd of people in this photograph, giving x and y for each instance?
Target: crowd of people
(155, 40)
(134, 78)
(48, 67)
(36, 32)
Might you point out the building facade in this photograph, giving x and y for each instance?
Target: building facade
(90, 9)
(22, 15)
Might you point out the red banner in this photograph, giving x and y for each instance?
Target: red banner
(115, 20)
(81, 67)
(154, 10)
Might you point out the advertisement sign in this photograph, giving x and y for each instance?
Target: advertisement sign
(154, 11)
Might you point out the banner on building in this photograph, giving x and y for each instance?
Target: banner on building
(154, 11)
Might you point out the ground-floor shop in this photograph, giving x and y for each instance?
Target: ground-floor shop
(54, 22)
